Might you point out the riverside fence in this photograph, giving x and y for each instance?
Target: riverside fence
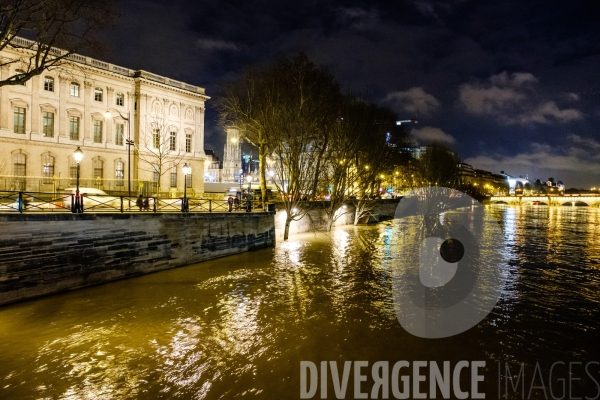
(45, 202)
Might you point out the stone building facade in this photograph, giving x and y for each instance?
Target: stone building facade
(44, 121)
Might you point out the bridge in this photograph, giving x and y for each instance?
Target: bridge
(573, 200)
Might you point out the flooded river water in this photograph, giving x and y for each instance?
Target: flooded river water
(238, 327)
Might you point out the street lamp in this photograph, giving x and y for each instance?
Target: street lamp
(128, 142)
(249, 198)
(77, 205)
(186, 171)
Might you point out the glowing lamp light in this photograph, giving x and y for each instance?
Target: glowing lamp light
(187, 169)
(248, 178)
(107, 114)
(78, 155)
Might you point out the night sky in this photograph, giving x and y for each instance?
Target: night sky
(511, 85)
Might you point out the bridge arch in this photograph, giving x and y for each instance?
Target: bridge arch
(575, 203)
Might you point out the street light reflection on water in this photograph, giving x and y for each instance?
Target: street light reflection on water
(239, 326)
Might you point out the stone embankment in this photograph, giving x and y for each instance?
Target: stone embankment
(49, 253)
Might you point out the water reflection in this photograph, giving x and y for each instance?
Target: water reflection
(239, 326)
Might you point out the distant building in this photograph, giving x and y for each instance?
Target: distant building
(212, 167)
(515, 185)
(466, 173)
(416, 152)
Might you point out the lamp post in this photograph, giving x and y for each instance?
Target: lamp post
(77, 205)
(249, 197)
(186, 171)
(129, 143)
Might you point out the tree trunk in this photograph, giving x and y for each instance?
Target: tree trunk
(262, 162)
(356, 215)
(318, 171)
(286, 231)
(329, 222)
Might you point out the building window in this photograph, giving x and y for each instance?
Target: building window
(48, 124)
(97, 131)
(19, 119)
(119, 135)
(119, 175)
(188, 143)
(156, 138)
(74, 89)
(49, 84)
(173, 177)
(173, 141)
(188, 180)
(74, 128)
(98, 166)
(98, 94)
(19, 168)
(155, 178)
(120, 99)
(72, 168)
(47, 168)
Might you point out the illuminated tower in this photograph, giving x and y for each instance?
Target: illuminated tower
(232, 155)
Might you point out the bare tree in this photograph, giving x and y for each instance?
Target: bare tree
(254, 102)
(159, 150)
(339, 177)
(57, 30)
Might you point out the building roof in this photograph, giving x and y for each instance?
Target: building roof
(22, 43)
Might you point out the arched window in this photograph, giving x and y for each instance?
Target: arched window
(49, 84)
(47, 168)
(119, 172)
(74, 89)
(120, 100)
(19, 170)
(98, 94)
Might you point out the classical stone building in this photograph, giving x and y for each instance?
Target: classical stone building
(44, 121)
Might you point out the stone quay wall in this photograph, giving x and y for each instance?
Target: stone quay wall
(49, 253)
(315, 220)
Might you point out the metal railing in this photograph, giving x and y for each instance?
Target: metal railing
(46, 202)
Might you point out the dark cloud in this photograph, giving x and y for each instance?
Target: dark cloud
(504, 79)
